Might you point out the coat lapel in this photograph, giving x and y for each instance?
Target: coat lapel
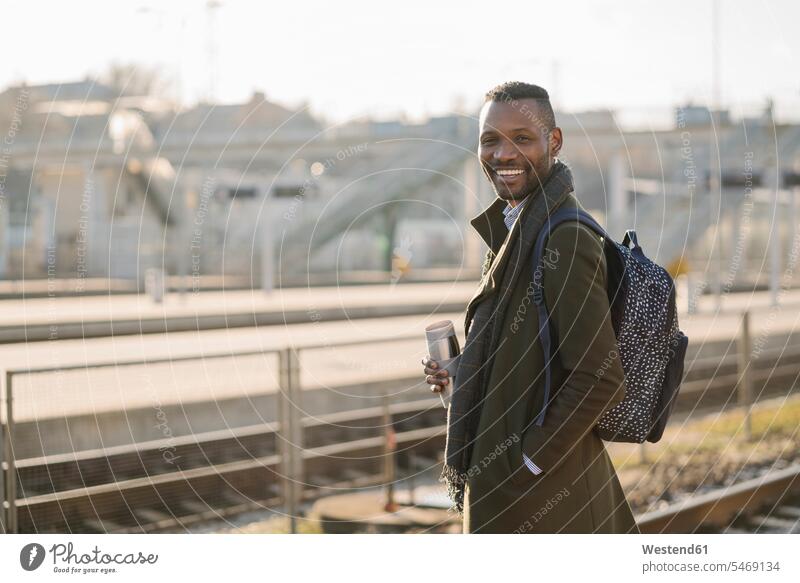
(490, 226)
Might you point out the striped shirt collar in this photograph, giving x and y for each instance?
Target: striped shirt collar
(511, 213)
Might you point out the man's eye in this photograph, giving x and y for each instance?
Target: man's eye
(523, 139)
(488, 142)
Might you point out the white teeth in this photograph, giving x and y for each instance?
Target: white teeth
(509, 172)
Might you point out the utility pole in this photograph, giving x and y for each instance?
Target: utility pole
(211, 48)
(715, 171)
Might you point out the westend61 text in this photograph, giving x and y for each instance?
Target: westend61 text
(675, 550)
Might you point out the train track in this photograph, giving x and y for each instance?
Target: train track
(766, 504)
(217, 474)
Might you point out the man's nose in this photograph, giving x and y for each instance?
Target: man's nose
(505, 152)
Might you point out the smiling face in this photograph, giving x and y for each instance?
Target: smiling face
(516, 147)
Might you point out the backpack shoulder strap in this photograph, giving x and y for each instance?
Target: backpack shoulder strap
(560, 216)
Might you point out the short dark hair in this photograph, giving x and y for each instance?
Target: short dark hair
(515, 90)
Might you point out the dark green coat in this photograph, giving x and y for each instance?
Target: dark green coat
(578, 491)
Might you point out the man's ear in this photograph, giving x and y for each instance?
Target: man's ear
(556, 141)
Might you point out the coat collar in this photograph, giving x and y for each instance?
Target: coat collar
(490, 225)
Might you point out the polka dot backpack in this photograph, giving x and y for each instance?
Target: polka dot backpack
(643, 313)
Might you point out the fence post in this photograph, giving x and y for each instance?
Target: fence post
(693, 290)
(745, 372)
(390, 446)
(411, 480)
(9, 472)
(291, 435)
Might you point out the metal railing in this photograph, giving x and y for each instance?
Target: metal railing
(9, 467)
(290, 424)
(733, 373)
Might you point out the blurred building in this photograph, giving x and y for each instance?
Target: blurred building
(102, 184)
(80, 200)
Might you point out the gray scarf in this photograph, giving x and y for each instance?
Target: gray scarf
(483, 332)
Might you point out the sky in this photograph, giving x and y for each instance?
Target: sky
(418, 57)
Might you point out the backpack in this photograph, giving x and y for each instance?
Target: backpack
(651, 347)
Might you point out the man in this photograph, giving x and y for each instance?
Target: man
(503, 471)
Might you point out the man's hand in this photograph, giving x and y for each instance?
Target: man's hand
(437, 378)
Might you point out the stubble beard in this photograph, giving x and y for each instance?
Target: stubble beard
(530, 185)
